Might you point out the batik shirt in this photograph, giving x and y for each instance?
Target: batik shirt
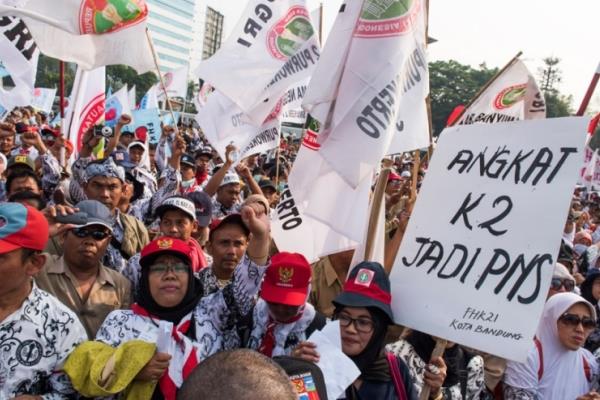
(219, 211)
(35, 341)
(144, 207)
(217, 314)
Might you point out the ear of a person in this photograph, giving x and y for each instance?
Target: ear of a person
(35, 263)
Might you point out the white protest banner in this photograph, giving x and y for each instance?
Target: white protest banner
(513, 96)
(132, 98)
(469, 268)
(293, 113)
(175, 83)
(222, 123)
(272, 46)
(19, 55)
(379, 102)
(88, 32)
(43, 99)
(591, 175)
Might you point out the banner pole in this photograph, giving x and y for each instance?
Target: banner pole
(160, 77)
(61, 95)
(376, 200)
(438, 351)
(588, 94)
(484, 87)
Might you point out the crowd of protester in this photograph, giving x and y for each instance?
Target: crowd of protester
(147, 271)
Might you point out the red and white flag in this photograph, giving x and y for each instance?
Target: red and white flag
(90, 33)
(513, 96)
(176, 83)
(273, 46)
(87, 105)
(370, 86)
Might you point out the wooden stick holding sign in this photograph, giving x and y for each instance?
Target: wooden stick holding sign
(438, 351)
(415, 175)
(376, 200)
(160, 77)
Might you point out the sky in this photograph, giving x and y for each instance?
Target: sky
(493, 31)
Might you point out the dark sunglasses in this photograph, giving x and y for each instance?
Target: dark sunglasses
(574, 320)
(96, 235)
(557, 283)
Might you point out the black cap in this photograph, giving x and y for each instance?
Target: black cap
(203, 204)
(367, 286)
(127, 132)
(188, 160)
(205, 151)
(267, 183)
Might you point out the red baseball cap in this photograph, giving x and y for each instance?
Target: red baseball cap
(165, 245)
(287, 280)
(22, 227)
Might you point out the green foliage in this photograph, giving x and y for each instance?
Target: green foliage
(557, 105)
(48, 74)
(119, 75)
(452, 84)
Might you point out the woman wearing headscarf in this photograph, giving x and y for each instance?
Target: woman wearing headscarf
(557, 366)
(364, 312)
(163, 314)
(590, 290)
(464, 374)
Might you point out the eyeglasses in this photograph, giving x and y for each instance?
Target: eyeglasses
(96, 235)
(574, 320)
(557, 283)
(178, 268)
(362, 325)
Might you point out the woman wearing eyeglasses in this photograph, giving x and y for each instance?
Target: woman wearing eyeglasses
(557, 366)
(364, 312)
(590, 290)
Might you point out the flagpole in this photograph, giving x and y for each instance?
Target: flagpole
(160, 77)
(321, 25)
(488, 84)
(373, 223)
(588, 94)
(61, 95)
(428, 99)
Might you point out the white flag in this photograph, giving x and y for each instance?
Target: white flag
(513, 96)
(150, 99)
(272, 46)
(19, 55)
(87, 105)
(89, 33)
(222, 123)
(43, 99)
(176, 83)
(117, 105)
(132, 95)
(293, 113)
(370, 86)
(591, 175)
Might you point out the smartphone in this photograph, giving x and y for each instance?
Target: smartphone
(78, 218)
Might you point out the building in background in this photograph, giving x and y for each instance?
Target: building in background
(209, 40)
(173, 25)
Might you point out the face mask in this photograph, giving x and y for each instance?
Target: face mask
(281, 187)
(188, 183)
(32, 121)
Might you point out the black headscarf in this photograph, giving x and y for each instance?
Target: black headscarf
(456, 358)
(372, 361)
(171, 314)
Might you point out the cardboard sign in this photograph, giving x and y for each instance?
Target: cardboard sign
(476, 261)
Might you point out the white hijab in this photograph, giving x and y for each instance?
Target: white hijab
(563, 373)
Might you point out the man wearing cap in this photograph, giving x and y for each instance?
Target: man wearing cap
(125, 139)
(38, 332)
(177, 220)
(188, 175)
(203, 158)
(269, 191)
(282, 318)
(78, 278)
(203, 204)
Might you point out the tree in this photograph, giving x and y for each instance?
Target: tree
(119, 75)
(453, 84)
(48, 74)
(557, 105)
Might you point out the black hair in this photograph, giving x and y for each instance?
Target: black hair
(26, 196)
(22, 173)
(26, 253)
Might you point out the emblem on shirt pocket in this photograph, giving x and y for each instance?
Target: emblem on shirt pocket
(29, 353)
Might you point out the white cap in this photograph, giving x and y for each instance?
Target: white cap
(230, 177)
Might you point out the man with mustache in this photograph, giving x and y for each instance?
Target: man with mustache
(78, 278)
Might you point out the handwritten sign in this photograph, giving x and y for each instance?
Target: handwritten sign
(476, 261)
